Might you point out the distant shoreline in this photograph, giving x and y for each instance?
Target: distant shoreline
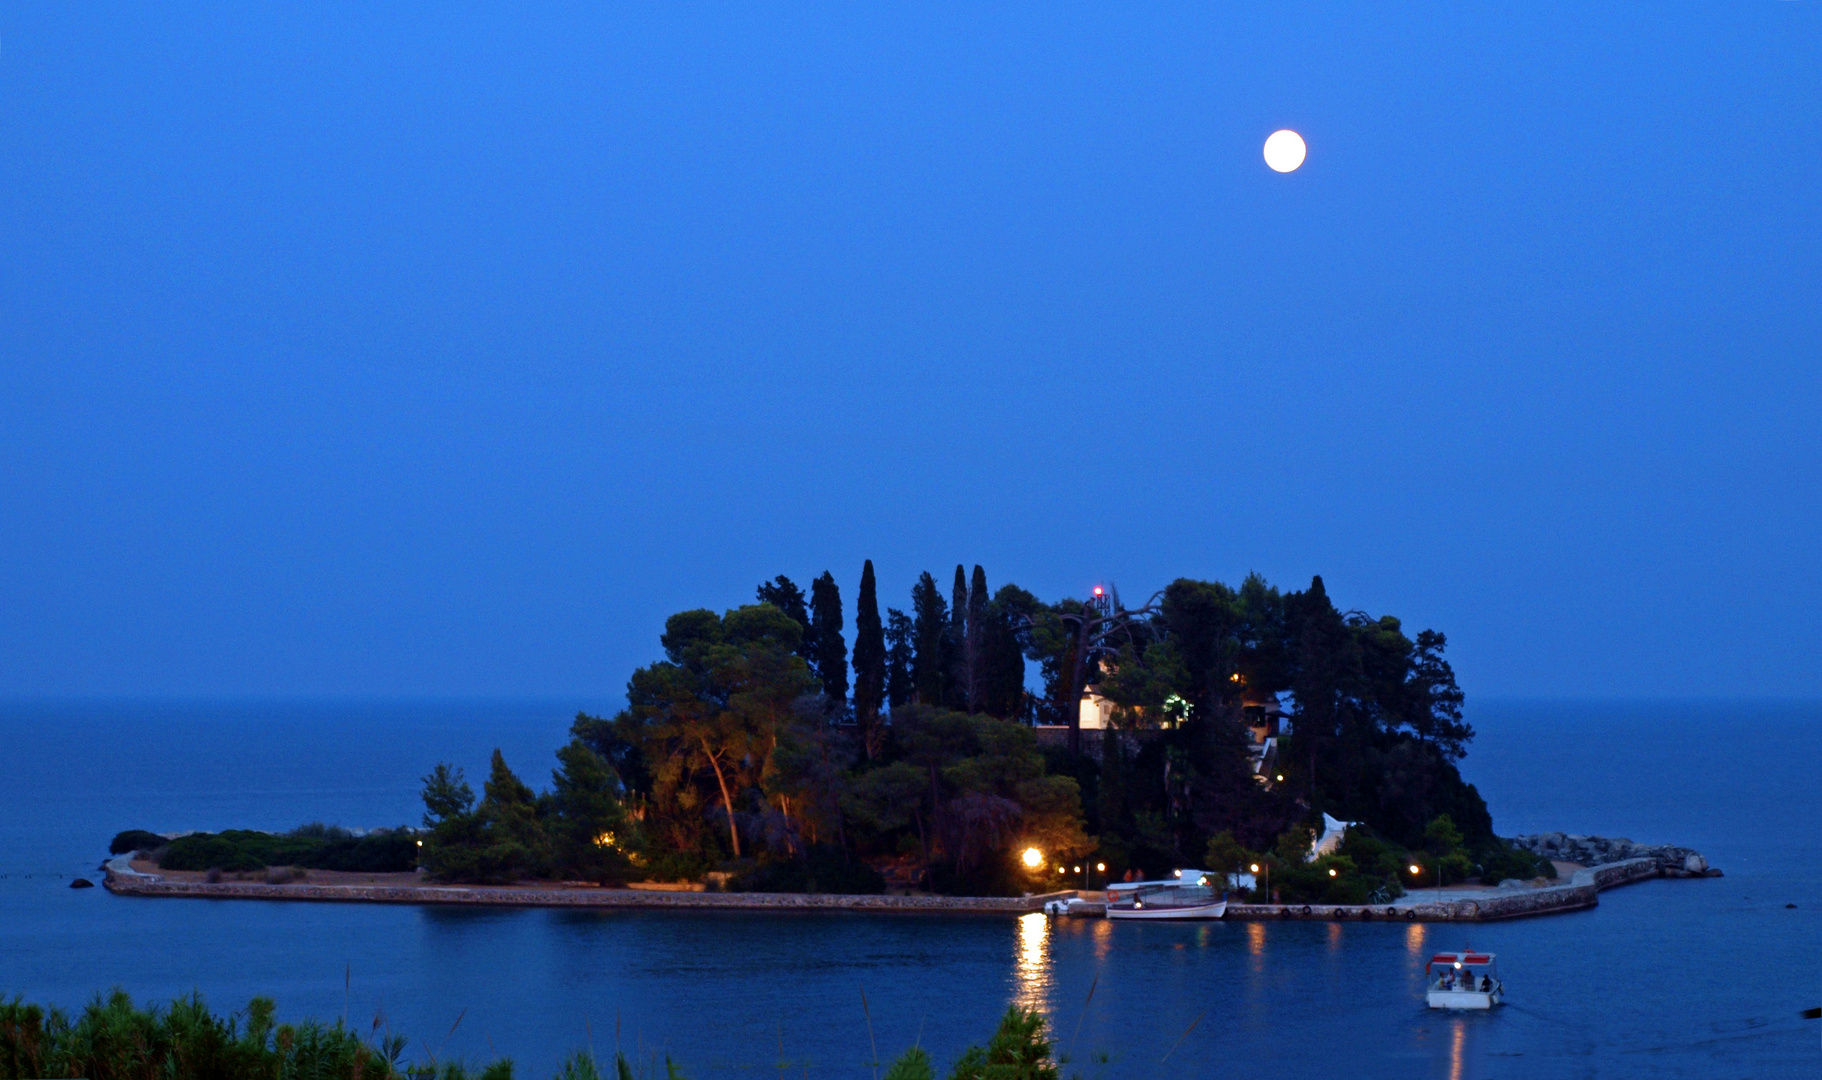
(1579, 893)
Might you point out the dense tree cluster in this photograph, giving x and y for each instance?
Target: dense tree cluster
(762, 746)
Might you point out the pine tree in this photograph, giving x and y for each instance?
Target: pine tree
(900, 688)
(929, 624)
(831, 664)
(869, 656)
(783, 594)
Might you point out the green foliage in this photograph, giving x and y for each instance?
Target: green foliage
(319, 848)
(870, 675)
(446, 795)
(707, 718)
(111, 1039)
(1228, 855)
(1377, 859)
(783, 594)
(900, 685)
(913, 1064)
(929, 641)
(591, 837)
(1019, 1050)
(831, 658)
(579, 1066)
(392, 851)
(507, 837)
(135, 840)
(821, 869)
(1443, 855)
(1500, 859)
(728, 757)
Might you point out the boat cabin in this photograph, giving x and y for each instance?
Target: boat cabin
(1463, 980)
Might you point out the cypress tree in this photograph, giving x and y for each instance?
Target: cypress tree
(831, 648)
(783, 594)
(869, 653)
(929, 624)
(899, 686)
(954, 643)
(974, 660)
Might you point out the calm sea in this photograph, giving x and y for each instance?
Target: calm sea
(1667, 978)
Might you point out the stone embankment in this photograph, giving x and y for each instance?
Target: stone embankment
(1601, 850)
(1511, 900)
(133, 883)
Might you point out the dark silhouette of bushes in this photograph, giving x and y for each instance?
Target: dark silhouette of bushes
(315, 847)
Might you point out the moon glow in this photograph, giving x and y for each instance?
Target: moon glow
(1284, 151)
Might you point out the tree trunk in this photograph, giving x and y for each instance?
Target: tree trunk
(726, 800)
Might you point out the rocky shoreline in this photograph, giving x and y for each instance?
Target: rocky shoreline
(1672, 861)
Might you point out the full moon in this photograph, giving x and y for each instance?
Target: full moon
(1284, 151)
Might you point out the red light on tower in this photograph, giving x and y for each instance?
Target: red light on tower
(1097, 590)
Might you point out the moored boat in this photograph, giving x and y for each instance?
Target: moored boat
(1188, 895)
(1463, 980)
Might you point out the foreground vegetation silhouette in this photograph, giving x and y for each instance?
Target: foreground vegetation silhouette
(112, 1039)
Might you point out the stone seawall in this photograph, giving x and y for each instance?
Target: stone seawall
(143, 885)
(1581, 891)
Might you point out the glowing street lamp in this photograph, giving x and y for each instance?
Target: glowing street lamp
(1033, 858)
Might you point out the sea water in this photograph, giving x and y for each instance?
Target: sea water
(1699, 978)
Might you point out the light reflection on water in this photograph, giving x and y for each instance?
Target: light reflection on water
(1414, 941)
(1033, 976)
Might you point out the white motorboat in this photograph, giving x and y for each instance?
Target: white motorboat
(1463, 980)
(1188, 895)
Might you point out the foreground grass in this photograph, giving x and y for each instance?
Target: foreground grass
(112, 1039)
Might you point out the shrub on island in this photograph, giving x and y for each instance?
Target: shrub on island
(133, 840)
(316, 847)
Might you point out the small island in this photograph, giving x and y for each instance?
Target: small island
(1309, 754)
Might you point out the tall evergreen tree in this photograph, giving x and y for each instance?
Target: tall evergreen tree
(929, 625)
(869, 656)
(900, 688)
(783, 594)
(974, 659)
(1324, 661)
(956, 692)
(831, 663)
(1007, 638)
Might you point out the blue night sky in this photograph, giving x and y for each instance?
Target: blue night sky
(412, 348)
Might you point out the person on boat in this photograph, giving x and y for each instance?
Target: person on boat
(1486, 982)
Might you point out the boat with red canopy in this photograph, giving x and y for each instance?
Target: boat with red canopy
(1463, 980)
